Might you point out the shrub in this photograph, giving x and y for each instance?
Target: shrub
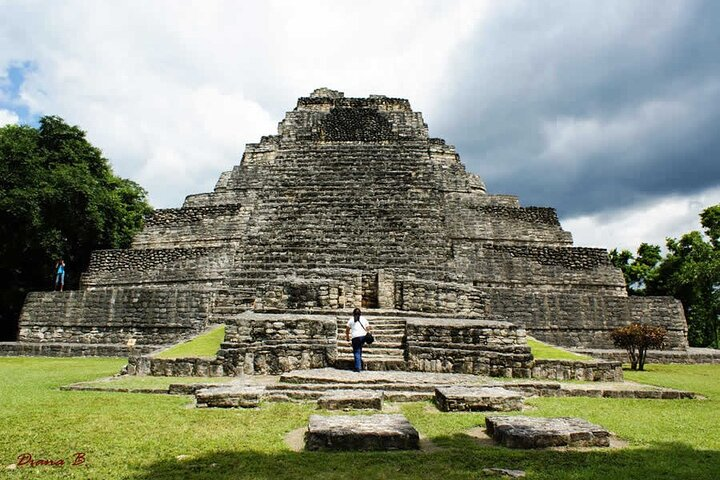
(637, 338)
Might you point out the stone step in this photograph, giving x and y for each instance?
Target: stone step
(379, 363)
(380, 342)
(369, 351)
(391, 333)
(384, 386)
(376, 321)
(310, 395)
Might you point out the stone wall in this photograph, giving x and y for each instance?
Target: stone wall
(55, 349)
(438, 297)
(481, 347)
(690, 356)
(580, 320)
(174, 367)
(294, 293)
(211, 225)
(586, 370)
(476, 217)
(270, 344)
(114, 315)
(538, 268)
(202, 265)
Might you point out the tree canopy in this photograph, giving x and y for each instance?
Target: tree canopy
(59, 198)
(690, 271)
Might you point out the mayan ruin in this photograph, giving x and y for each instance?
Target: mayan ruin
(351, 204)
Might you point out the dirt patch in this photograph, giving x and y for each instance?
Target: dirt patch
(295, 439)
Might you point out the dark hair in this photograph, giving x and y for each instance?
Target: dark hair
(356, 314)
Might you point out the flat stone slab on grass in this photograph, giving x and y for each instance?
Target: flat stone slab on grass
(361, 432)
(243, 396)
(351, 399)
(462, 399)
(539, 432)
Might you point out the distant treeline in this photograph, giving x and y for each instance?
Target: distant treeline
(59, 199)
(690, 272)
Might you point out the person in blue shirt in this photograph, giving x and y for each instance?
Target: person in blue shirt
(60, 275)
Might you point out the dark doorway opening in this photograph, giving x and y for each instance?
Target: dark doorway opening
(370, 290)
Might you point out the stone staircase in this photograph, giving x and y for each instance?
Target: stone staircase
(395, 386)
(386, 353)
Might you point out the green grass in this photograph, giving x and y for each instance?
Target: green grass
(543, 351)
(202, 346)
(136, 436)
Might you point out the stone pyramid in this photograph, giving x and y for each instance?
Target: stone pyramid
(350, 204)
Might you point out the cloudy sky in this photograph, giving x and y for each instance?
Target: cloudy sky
(608, 111)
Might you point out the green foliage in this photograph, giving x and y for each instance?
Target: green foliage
(205, 345)
(638, 269)
(58, 199)
(690, 272)
(637, 338)
(158, 437)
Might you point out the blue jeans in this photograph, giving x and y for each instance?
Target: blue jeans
(357, 344)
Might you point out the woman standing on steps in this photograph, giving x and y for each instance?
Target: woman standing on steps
(357, 328)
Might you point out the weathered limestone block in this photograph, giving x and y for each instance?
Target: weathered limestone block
(486, 347)
(459, 399)
(351, 399)
(538, 432)
(587, 370)
(274, 343)
(361, 432)
(229, 397)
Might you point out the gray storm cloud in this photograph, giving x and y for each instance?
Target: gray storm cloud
(589, 105)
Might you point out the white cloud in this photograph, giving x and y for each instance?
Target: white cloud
(172, 91)
(8, 118)
(649, 222)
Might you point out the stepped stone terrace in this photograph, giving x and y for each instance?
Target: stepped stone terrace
(351, 204)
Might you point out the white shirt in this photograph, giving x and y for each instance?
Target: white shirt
(359, 328)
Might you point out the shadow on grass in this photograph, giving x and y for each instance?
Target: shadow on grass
(459, 458)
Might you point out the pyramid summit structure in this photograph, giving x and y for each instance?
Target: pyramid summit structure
(351, 204)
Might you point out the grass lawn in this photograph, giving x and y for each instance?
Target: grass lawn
(141, 436)
(203, 346)
(543, 351)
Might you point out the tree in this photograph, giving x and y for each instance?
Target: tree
(58, 198)
(691, 273)
(640, 269)
(637, 338)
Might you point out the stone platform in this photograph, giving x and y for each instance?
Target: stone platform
(230, 396)
(459, 399)
(351, 399)
(691, 355)
(538, 432)
(312, 385)
(357, 433)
